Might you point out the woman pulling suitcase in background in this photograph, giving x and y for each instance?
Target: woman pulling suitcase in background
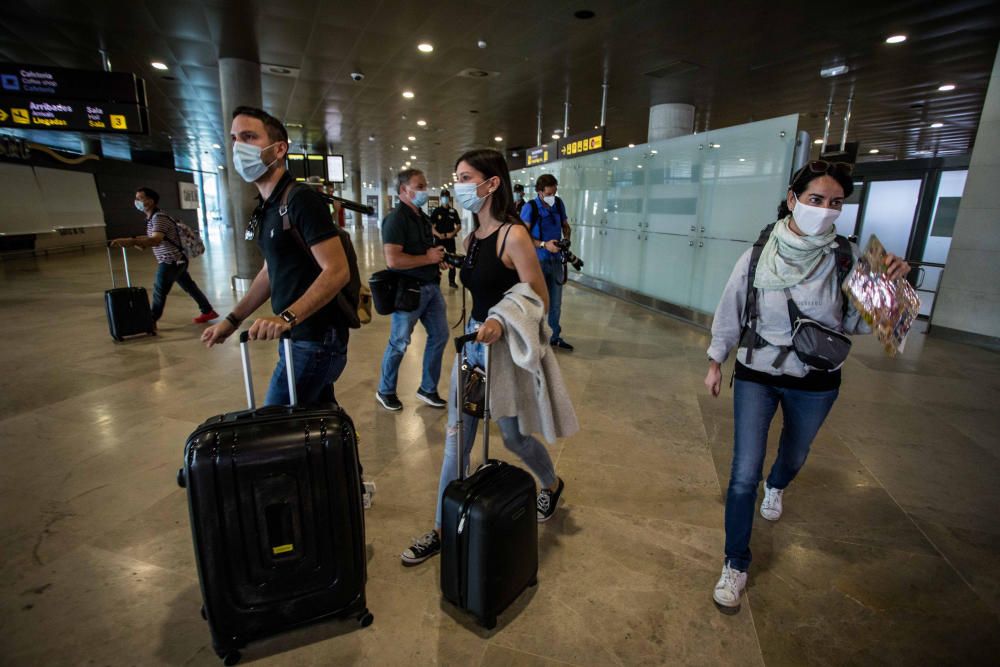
(799, 262)
(499, 255)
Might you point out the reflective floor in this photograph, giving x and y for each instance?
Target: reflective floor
(886, 553)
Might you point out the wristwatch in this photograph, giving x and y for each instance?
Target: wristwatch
(289, 317)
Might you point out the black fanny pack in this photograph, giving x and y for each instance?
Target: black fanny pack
(814, 344)
(392, 291)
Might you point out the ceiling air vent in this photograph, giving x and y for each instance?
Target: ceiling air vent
(280, 70)
(675, 68)
(476, 73)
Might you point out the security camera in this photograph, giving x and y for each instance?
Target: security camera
(357, 76)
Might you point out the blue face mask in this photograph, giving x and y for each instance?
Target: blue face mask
(419, 198)
(518, 196)
(139, 206)
(444, 201)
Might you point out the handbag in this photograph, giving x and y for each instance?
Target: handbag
(474, 392)
(814, 344)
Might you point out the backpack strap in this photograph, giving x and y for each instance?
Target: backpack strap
(534, 217)
(286, 222)
(177, 231)
(750, 309)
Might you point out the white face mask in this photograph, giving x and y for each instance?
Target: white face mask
(248, 162)
(139, 206)
(813, 220)
(465, 194)
(550, 200)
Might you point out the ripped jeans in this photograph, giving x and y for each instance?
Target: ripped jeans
(532, 452)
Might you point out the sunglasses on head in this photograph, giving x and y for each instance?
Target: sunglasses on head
(824, 167)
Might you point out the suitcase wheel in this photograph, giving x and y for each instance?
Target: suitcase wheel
(231, 658)
(365, 618)
(182, 482)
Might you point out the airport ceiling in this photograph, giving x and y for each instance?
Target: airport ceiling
(735, 61)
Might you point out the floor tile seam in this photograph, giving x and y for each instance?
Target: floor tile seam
(756, 634)
(933, 552)
(917, 526)
(490, 642)
(583, 619)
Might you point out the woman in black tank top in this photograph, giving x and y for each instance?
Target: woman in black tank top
(499, 254)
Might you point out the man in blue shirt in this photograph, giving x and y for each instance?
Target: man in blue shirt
(547, 222)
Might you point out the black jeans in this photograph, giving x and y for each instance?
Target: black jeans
(166, 276)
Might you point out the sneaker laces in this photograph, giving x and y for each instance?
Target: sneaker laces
(424, 541)
(730, 574)
(544, 500)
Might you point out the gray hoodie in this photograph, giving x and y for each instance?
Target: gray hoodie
(818, 296)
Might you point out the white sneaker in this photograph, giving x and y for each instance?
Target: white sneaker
(730, 587)
(770, 507)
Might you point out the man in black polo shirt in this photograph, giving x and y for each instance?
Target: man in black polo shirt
(301, 288)
(446, 225)
(408, 244)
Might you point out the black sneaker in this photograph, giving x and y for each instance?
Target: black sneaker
(423, 548)
(390, 402)
(547, 502)
(431, 398)
(561, 344)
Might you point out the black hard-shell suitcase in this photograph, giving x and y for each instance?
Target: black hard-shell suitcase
(275, 500)
(489, 531)
(127, 307)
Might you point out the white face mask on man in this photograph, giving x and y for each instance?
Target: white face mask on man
(248, 161)
(813, 220)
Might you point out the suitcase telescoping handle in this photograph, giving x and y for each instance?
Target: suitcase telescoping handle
(459, 347)
(286, 340)
(128, 280)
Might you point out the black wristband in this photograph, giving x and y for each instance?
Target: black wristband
(233, 320)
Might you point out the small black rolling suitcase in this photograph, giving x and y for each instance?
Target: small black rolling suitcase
(275, 500)
(489, 532)
(127, 307)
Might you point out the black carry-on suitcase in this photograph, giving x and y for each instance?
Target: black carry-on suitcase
(275, 499)
(489, 532)
(127, 307)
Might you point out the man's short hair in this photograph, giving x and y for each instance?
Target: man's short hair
(445, 193)
(403, 177)
(518, 187)
(545, 181)
(275, 129)
(151, 193)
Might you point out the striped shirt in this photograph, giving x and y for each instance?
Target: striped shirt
(166, 252)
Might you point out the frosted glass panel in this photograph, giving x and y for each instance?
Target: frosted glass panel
(949, 196)
(889, 213)
(23, 211)
(70, 198)
(669, 219)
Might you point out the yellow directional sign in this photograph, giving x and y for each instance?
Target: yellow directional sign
(118, 122)
(3, 115)
(21, 116)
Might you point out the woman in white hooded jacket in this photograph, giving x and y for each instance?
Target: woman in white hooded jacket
(799, 261)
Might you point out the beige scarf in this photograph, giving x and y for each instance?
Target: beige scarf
(788, 258)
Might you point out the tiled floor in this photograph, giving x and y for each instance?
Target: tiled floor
(886, 553)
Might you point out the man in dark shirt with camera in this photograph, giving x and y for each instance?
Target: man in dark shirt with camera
(446, 227)
(408, 244)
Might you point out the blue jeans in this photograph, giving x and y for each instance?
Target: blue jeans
(166, 276)
(552, 269)
(431, 313)
(318, 364)
(528, 448)
(803, 412)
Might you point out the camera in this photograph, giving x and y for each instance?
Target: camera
(568, 257)
(454, 260)
(357, 76)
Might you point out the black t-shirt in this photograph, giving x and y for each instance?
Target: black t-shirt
(445, 220)
(412, 231)
(290, 271)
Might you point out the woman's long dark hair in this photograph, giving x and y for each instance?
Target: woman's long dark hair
(804, 176)
(491, 163)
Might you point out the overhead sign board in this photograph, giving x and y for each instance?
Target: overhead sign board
(582, 144)
(540, 154)
(335, 168)
(39, 113)
(59, 83)
(297, 166)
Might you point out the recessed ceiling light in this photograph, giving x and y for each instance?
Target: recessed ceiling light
(631, 145)
(615, 158)
(639, 166)
(221, 167)
(936, 125)
(411, 138)
(498, 139)
(652, 152)
(216, 146)
(555, 136)
(946, 87)
(408, 94)
(406, 148)
(421, 123)
(836, 70)
(743, 159)
(818, 142)
(158, 65)
(425, 47)
(873, 151)
(895, 39)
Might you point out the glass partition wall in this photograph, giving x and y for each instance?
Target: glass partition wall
(663, 223)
